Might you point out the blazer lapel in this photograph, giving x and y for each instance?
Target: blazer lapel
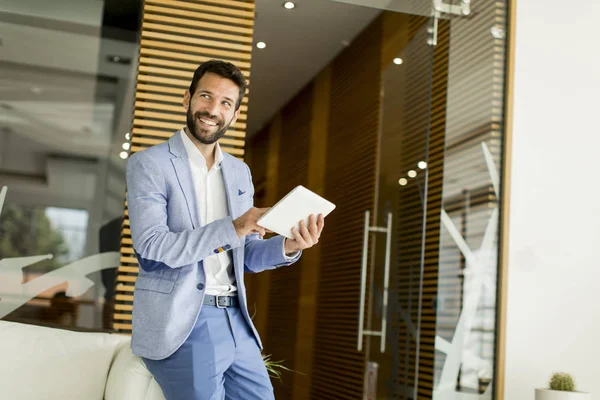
(229, 181)
(184, 176)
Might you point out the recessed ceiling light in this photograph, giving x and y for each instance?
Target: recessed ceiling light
(402, 181)
(126, 146)
(123, 155)
(289, 5)
(422, 164)
(261, 45)
(412, 173)
(398, 61)
(127, 136)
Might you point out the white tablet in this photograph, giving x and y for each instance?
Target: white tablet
(296, 206)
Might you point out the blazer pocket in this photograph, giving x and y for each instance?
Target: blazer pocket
(244, 197)
(154, 284)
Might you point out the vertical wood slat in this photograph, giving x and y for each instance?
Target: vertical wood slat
(256, 149)
(262, 281)
(284, 288)
(309, 274)
(165, 43)
(350, 183)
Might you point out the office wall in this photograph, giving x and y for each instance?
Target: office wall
(554, 223)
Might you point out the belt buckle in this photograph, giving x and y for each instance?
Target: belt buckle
(217, 302)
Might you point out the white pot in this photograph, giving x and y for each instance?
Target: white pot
(547, 394)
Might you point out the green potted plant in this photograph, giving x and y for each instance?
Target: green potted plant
(561, 387)
(275, 368)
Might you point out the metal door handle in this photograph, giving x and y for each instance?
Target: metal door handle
(363, 281)
(386, 281)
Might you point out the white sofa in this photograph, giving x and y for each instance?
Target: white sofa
(45, 363)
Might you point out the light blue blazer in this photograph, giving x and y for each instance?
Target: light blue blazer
(170, 244)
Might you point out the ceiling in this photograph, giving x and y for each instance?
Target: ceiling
(300, 42)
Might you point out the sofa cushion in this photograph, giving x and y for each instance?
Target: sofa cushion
(129, 379)
(47, 363)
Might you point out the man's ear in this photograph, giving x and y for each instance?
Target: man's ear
(186, 100)
(235, 116)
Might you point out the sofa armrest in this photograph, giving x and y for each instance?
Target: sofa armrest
(129, 379)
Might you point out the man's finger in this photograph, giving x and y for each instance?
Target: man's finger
(314, 230)
(298, 238)
(261, 231)
(320, 222)
(312, 220)
(305, 234)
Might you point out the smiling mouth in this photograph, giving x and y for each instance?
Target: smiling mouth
(208, 122)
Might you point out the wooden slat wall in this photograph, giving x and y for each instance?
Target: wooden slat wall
(176, 37)
(284, 289)
(262, 282)
(309, 276)
(338, 368)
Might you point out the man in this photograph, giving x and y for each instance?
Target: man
(194, 234)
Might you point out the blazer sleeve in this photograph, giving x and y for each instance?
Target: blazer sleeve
(261, 255)
(154, 244)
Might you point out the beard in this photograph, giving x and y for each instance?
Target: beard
(203, 135)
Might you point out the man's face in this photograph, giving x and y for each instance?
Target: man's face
(211, 109)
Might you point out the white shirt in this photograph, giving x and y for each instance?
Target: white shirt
(212, 205)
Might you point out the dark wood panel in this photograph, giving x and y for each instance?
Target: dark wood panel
(352, 140)
(284, 294)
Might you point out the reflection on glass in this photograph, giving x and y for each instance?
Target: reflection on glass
(468, 265)
(67, 93)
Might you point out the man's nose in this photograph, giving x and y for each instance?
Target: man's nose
(212, 109)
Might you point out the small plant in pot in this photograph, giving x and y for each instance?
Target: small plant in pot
(561, 387)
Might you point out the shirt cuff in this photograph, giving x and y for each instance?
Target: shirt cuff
(288, 258)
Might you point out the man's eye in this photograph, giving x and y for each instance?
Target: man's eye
(205, 96)
(227, 104)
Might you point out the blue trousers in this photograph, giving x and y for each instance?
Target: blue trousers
(219, 360)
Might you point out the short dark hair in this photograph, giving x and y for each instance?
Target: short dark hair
(225, 70)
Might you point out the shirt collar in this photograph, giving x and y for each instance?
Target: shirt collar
(195, 155)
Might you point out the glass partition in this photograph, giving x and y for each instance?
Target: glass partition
(466, 300)
(439, 177)
(66, 98)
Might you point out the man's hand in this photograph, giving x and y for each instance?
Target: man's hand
(306, 237)
(246, 224)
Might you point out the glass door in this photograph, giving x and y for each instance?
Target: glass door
(427, 319)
